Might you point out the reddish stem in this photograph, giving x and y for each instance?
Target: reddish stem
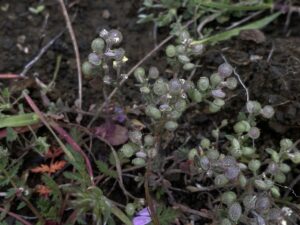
(16, 216)
(10, 76)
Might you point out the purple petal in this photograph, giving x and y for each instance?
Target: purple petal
(144, 212)
(141, 220)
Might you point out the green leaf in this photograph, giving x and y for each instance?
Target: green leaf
(19, 120)
(118, 213)
(11, 135)
(103, 168)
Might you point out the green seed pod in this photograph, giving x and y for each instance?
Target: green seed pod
(263, 204)
(205, 143)
(180, 49)
(215, 79)
(215, 133)
(188, 66)
(153, 112)
(153, 72)
(254, 133)
(242, 180)
(197, 49)
(274, 155)
(228, 197)
(213, 154)
(188, 85)
(249, 201)
(235, 211)
(87, 69)
(219, 102)
(184, 36)
(98, 45)
(183, 59)
(286, 144)
(152, 152)
(203, 84)
(135, 137)
(139, 75)
(254, 165)
(204, 162)
(174, 86)
(235, 144)
(224, 123)
(248, 151)
(127, 150)
(275, 192)
(180, 105)
(221, 180)
(195, 95)
(231, 83)
(149, 140)
(261, 185)
(267, 112)
(236, 153)
(144, 90)
(241, 127)
(171, 125)
(285, 168)
(160, 87)
(192, 154)
(279, 177)
(213, 108)
(138, 162)
(225, 221)
(295, 157)
(171, 51)
(130, 209)
(253, 107)
(174, 115)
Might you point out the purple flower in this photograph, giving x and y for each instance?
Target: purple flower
(142, 217)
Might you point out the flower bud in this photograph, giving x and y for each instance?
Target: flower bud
(183, 59)
(130, 209)
(215, 79)
(171, 125)
(153, 72)
(138, 162)
(221, 180)
(94, 59)
(148, 140)
(225, 70)
(235, 211)
(98, 45)
(139, 75)
(174, 86)
(228, 197)
(254, 165)
(127, 150)
(262, 185)
(188, 66)
(114, 37)
(241, 127)
(231, 83)
(195, 95)
(254, 133)
(286, 144)
(203, 83)
(160, 87)
(171, 51)
(253, 107)
(153, 112)
(87, 69)
(218, 93)
(267, 112)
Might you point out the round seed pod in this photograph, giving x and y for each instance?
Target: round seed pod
(174, 86)
(144, 90)
(295, 157)
(152, 152)
(171, 125)
(204, 162)
(262, 204)
(98, 45)
(225, 221)
(253, 107)
(149, 140)
(87, 69)
(184, 36)
(254, 133)
(215, 133)
(272, 168)
(225, 70)
(235, 211)
(171, 51)
(197, 49)
(160, 87)
(286, 144)
(263, 185)
(275, 214)
(205, 143)
(188, 66)
(279, 177)
(213, 108)
(221, 180)
(180, 49)
(218, 93)
(236, 153)
(117, 54)
(174, 115)
(153, 72)
(215, 79)
(242, 180)
(231, 83)
(195, 95)
(94, 59)
(232, 172)
(248, 151)
(114, 37)
(180, 105)
(192, 154)
(135, 136)
(254, 165)
(127, 150)
(267, 112)
(228, 197)
(188, 85)
(203, 84)
(139, 75)
(153, 112)
(249, 201)
(275, 192)
(138, 162)
(130, 209)
(183, 59)
(241, 127)
(285, 168)
(213, 154)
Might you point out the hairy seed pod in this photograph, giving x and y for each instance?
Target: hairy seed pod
(144, 90)
(153, 72)
(184, 37)
(130, 209)
(171, 51)
(138, 162)
(228, 197)
(242, 181)
(254, 133)
(248, 151)
(152, 152)
(279, 177)
(235, 211)
(171, 125)
(241, 127)
(135, 137)
(204, 162)
(286, 144)
(153, 112)
(213, 154)
(221, 180)
(174, 115)
(231, 83)
(267, 112)
(205, 143)
(183, 59)
(262, 204)
(174, 86)
(253, 107)
(197, 49)
(188, 85)
(215, 79)
(225, 221)
(225, 70)
(139, 75)
(285, 168)
(149, 140)
(249, 201)
(181, 105)
(160, 87)
(254, 165)
(261, 185)
(94, 59)
(275, 192)
(127, 150)
(188, 66)
(98, 45)
(215, 133)
(192, 154)
(180, 50)
(203, 84)
(195, 95)
(295, 157)
(216, 105)
(87, 69)
(232, 172)
(114, 37)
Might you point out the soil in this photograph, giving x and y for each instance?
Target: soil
(270, 69)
